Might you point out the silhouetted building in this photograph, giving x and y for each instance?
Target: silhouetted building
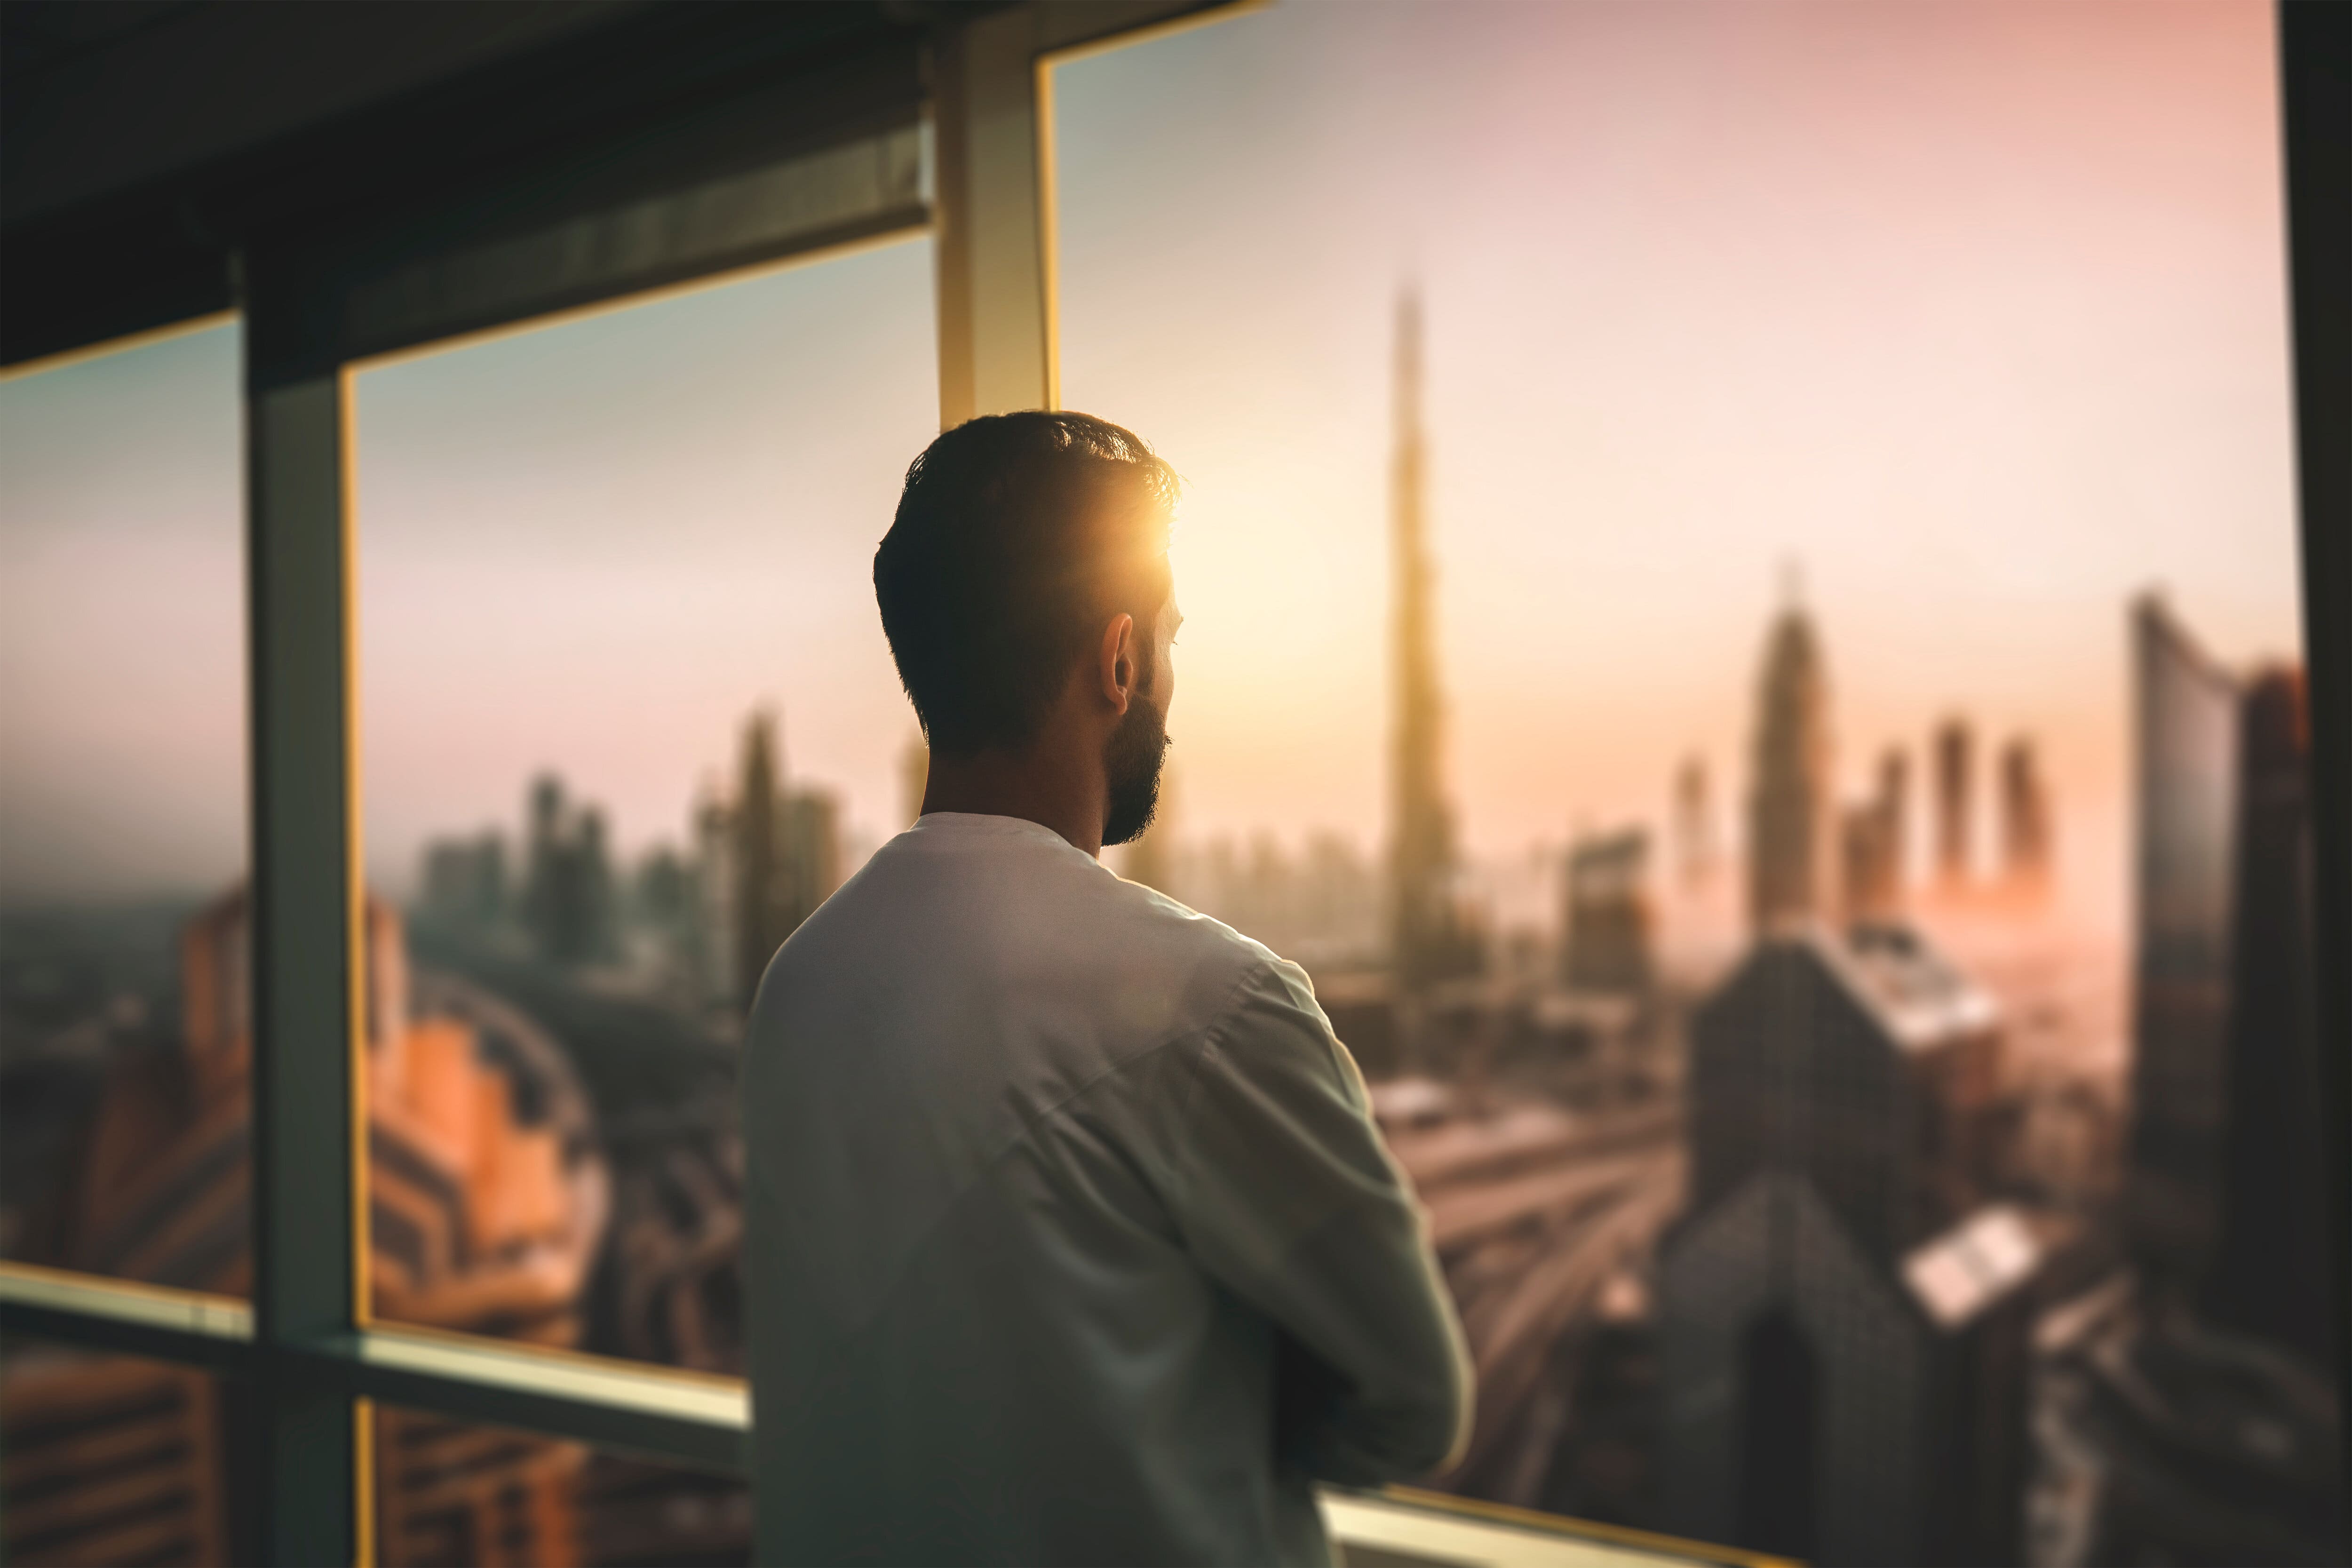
(662, 895)
(2186, 755)
(1793, 847)
(1895, 803)
(568, 904)
(88, 1432)
(1430, 939)
(466, 882)
(487, 1196)
(1955, 753)
(1872, 845)
(1842, 1319)
(2025, 827)
(1608, 917)
(1696, 849)
(2270, 1270)
(769, 858)
(758, 879)
(812, 865)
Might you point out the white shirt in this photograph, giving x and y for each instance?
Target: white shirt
(1071, 1239)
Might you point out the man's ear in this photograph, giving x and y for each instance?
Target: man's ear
(1117, 662)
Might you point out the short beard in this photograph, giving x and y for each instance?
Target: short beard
(1131, 758)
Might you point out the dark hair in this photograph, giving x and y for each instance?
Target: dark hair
(1017, 536)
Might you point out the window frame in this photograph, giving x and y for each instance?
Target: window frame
(304, 1341)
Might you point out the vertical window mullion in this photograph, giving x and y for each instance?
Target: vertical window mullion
(995, 298)
(305, 977)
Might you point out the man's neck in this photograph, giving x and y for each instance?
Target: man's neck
(1038, 784)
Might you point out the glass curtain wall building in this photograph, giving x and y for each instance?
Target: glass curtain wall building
(1745, 620)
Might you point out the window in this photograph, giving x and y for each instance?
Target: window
(461, 1491)
(1787, 764)
(628, 718)
(123, 1056)
(1741, 604)
(118, 1458)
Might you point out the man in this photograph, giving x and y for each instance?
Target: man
(1071, 1237)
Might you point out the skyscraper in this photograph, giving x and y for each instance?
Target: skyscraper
(1695, 848)
(2270, 1268)
(2025, 818)
(1874, 845)
(1955, 747)
(758, 878)
(568, 905)
(1894, 808)
(1431, 941)
(781, 853)
(2186, 747)
(1607, 914)
(1793, 843)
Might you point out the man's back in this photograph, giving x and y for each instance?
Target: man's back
(1070, 1238)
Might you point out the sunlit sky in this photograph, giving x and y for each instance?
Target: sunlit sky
(1973, 311)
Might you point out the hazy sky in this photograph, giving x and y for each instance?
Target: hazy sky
(122, 624)
(1973, 310)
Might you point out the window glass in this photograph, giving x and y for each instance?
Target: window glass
(628, 716)
(117, 1459)
(1741, 598)
(459, 1491)
(123, 1046)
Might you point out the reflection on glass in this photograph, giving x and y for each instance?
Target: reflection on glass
(455, 1491)
(1740, 619)
(111, 1459)
(123, 1111)
(629, 717)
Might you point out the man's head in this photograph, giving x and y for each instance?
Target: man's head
(1026, 592)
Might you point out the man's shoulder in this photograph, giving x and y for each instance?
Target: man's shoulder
(1036, 926)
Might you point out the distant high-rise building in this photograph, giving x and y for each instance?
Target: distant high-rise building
(1864, 888)
(2226, 1180)
(568, 903)
(1873, 846)
(2186, 759)
(1843, 1318)
(465, 882)
(811, 823)
(1608, 913)
(1432, 941)
(1792, 846)
(2024, 819)
(711, 936)
(1696, 851)
(758, 877)
(1954, 748)
(485, 1194)
(1895, 806)
(778, 857)
(2269, 1275)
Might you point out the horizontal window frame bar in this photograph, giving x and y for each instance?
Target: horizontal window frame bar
(707, 232)
(183, 1327)
(695, 1420)
(656, 1412)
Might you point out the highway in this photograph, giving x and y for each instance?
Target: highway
(1533, 1210)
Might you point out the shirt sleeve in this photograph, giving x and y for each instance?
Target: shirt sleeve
(1287, 1194)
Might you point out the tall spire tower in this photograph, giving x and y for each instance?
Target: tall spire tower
(1430, 943)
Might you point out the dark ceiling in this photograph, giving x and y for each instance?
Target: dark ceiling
(145, 143)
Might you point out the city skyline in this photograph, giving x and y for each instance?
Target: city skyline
(589, 547)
